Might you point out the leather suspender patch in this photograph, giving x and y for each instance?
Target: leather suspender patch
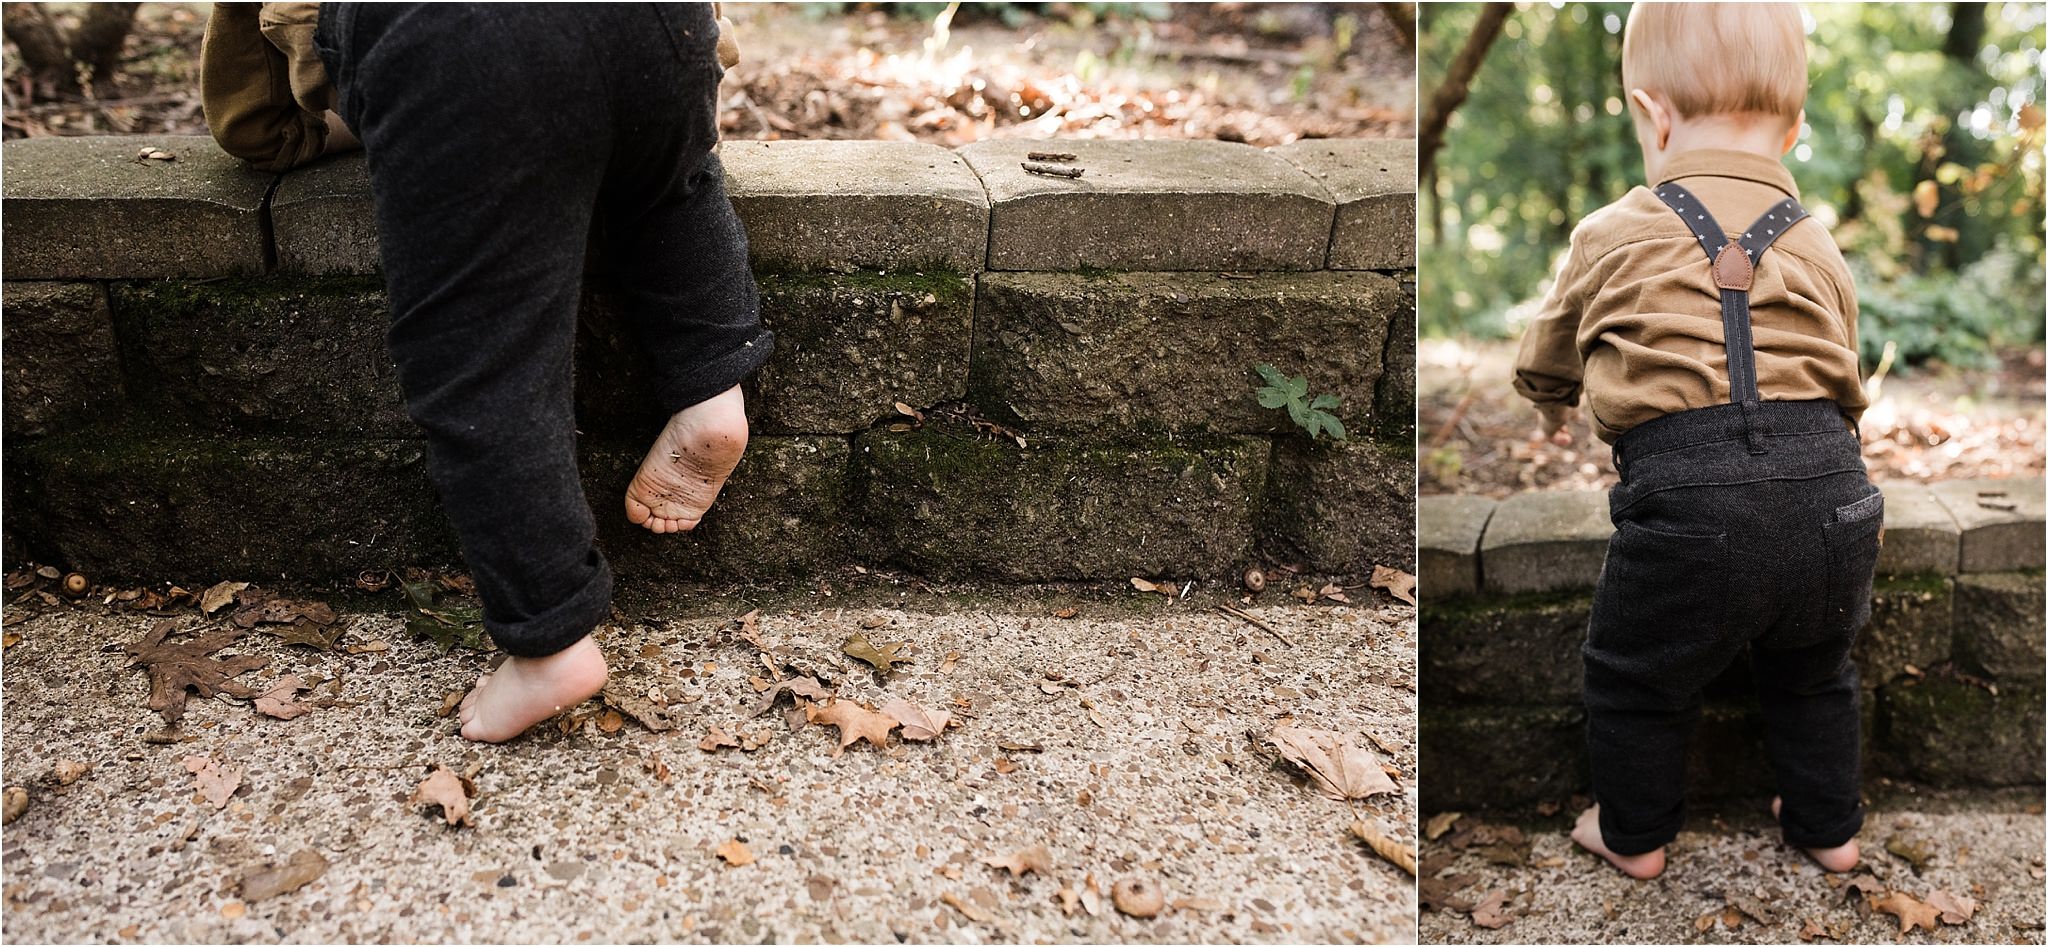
(1733, 269)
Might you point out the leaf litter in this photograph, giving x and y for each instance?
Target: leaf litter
(178, 669)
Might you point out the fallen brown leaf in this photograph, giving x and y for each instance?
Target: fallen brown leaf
(1399, 584)
(1338, 767)
(1910, 911)
(966, 910)
(883, 657)
(643, 711)
(216, 780)
(219, 596)
(1441, 823)
(1024, 860)
(736, 853)
(16, 803)
(1955, 908)
(448, 789)
(188, 666)
(1491, 913)
(1388, 847)
(303, 868)
(854, 721)
(281, 700)
(715, 739)
(918, 723)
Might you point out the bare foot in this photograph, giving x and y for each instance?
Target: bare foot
(526, 691)
(1841, 858)
(688, 464)
(1641, 867)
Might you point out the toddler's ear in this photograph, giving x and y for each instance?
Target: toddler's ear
(1653, 112)
(1792, 134)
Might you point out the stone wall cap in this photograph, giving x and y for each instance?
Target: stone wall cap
(1354, 169)
(850, 168)
(1548, 516)
(1140, 167)
(1453, 522)
(108, 167)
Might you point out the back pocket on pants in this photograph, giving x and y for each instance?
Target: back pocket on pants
(1661, 585)
(1853, 536)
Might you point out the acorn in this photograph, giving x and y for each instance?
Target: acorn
(1254, 579)
(1137, 897)
(75, 584)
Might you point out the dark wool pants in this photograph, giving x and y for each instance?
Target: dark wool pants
(504, 140)
(1718, 551)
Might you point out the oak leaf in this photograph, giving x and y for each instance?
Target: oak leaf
(1491, 913)
(918, 723)
(1954, 908)
(716, 739)
(217, 781)
(448, 789)
(281, 700)
(175, 669)
(1399, 584)
(219, 596)
(805, 687)
(1911, 912)
(1338, 767)
(855, 722)
(1023, 861)
(884, 656)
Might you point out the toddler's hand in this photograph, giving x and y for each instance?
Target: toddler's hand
(1555, 425)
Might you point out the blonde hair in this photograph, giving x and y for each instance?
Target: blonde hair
(1718, 58)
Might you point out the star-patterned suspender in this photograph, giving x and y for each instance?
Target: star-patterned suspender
(1734, 263)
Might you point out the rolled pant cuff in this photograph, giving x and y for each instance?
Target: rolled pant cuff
(561, 626)
(715, 376)
(1633, 843)
(1828, 836)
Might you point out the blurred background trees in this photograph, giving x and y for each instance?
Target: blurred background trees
(1921, 153)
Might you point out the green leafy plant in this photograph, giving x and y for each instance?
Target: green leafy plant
(1311, 414)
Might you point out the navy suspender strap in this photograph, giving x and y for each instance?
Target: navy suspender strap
(1734, 264)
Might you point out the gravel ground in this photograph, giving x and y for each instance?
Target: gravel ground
(1985, 846)
(1145, 772)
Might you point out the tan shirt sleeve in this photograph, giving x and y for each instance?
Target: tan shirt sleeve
(1548, 368)
(262, 84)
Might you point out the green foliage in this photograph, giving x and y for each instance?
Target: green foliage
(1311, 414)
(1899, 94)
(445, 626)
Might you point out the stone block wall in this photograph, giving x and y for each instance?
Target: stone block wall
(197, 383)
(1951, 663)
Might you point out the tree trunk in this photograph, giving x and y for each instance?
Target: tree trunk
(97, 43)
(1457, 83)
(1965, 37)
(60, 58)
(1402, 16)
(41, 44)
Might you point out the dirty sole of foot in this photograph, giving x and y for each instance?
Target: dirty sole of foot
(1118, 744)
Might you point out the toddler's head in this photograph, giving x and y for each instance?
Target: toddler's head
(1722, 75)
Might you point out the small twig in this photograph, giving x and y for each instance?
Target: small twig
(1052, 170)
(1256, 623)
(1051, 156)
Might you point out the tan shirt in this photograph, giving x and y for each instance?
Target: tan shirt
(1634, 318)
